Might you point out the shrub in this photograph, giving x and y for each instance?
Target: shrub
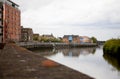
(94, 39)
(112, 46)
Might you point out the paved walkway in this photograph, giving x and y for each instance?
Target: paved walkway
(19, 63)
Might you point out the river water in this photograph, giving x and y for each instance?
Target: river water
(90, 61)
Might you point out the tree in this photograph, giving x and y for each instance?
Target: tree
(45, 39)
(112, 46)
(94, 39)
(36, 38)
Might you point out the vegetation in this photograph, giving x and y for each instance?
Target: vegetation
(94, 39)
(114, 61)
(112, 46)
(36, 38)
(44, 39)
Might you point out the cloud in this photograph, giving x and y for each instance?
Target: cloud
(33, 4)
(48, 15)
(70, 11)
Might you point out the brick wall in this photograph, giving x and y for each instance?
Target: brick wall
(12, 29)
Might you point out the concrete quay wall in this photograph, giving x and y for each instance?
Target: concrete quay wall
(19, 63)
(54, 45)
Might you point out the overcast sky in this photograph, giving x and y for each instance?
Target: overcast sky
(99, 18)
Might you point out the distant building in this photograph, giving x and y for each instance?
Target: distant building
(85, 39)
(71, 39)
(36, 37)
(48, 36)
(9, 21)
(26, 34)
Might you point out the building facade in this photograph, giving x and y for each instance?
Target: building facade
(48, 36)
(26, 34)
(71, 39)
(85, 39)
(9, 21)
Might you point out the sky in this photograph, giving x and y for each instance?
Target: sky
(98, 18)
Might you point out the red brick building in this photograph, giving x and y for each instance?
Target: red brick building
(10, 21)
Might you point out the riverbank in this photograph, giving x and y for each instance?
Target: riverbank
(32, 45)
(19, 63)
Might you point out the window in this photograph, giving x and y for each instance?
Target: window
(0, 9)
(0, 15)
(0, 23)
(0, 39)
(0, 30)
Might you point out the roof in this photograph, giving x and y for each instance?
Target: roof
(13, 3)
(84, 37)
(9, 1)
(27, 29)
(35, 34)
(48, 35)
(66, 36)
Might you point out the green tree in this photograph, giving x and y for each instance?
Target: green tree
(35, 38)
(112, 46)
(44, 39)
(94, 39)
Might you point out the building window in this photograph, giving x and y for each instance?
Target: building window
(0, 39)
(0, 23)
(0, 15)
(0, 30)
(0, 9)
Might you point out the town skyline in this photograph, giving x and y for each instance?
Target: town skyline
(100, 19)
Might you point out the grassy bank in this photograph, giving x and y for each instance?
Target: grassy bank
(112, 46)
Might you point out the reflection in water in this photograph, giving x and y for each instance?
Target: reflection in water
(44, 52)
(75, 52)
(72, 52)
(113, 61)
(90, 61)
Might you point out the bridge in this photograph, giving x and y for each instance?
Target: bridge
(100, 42)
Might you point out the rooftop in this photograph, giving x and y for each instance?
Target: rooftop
(10, 2)
(13, 3)
(66, 36)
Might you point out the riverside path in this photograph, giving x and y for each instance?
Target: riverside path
(19, 63)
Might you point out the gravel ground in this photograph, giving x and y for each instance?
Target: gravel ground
(20, 63)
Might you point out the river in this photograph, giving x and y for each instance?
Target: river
(90, 61)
